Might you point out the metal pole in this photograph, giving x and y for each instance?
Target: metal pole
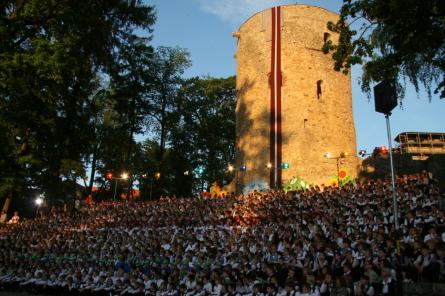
(394, 197)
(236, 182)
(115, 191)
(151, 186)
(338, 171)
(275, 181)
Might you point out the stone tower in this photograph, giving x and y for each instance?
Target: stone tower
(292, 106)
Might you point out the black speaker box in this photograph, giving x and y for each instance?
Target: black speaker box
(385, 96)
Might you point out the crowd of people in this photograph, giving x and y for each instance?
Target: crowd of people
(322, 241)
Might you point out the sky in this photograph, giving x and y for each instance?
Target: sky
(204, 28)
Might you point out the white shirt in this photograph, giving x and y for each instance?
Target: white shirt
(386, 283)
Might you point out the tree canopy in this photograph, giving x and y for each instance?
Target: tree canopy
(52, 57)
(392, 39)
(81, 85)
(205, 126)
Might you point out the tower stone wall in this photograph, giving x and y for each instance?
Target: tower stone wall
(314, 101)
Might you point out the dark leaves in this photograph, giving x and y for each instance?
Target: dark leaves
(396, 39)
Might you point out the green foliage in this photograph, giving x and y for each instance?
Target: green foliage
(79, 81)
(296, 184)
(343, 181)
(198, 127)
(394, 39)
(171, 179)
(204, 129)
(51, 53)
(347, 180)
(165, 81)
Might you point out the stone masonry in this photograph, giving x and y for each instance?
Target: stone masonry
(316, 100)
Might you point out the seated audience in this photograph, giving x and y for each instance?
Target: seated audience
(323, 241)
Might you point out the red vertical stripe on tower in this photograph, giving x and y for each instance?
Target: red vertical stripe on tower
(272, 104)
(275, 100)
(278, 149)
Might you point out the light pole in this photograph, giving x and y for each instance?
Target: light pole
(393, 183)
(241, 183)
(151, 183)
(151, 186)
(157, 176)
(38, 201)
(124, 176)
(115, 190)
(269, 167)
(337, 158)
(231, 168)
(385, 97)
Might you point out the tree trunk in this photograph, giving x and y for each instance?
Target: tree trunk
(163, 129)
(93, 169)
(127, 165)
(7, 202)
(162, 144)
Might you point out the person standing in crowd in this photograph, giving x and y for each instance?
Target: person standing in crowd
(3, 217)
(15, 218)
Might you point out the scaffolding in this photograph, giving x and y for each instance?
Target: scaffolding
(421, 143)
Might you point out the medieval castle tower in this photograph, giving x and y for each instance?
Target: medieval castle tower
(292, 106)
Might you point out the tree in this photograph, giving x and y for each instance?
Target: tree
(204, 129)
(166, 73)
(396, 39)
(199, 133)
(51, 53)
(166, 77)
(128, 89)
(149, 171)
(141, 93)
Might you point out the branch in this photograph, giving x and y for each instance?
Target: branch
(367, 28)
(36, 23)
(357, 18)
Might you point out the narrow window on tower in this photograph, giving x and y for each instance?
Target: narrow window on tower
(319, 82)
(326, 36)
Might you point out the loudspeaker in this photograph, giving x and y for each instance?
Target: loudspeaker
(385, 96)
